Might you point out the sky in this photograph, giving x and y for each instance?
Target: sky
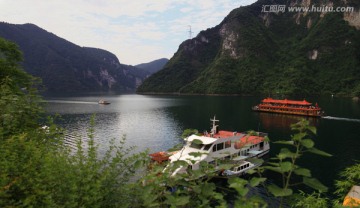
(136, 31)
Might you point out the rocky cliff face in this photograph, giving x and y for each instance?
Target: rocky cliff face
(252, 52)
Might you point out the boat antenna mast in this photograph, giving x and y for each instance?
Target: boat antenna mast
(214, 126)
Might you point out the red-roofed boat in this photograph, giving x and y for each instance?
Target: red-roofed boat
(294, 107)
(216, 147)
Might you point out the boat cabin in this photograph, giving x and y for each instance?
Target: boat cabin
(220, 145)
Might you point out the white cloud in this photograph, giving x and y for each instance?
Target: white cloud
(136, 31)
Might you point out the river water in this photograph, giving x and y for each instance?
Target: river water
(156, 123)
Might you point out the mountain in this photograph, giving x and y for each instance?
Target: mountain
(64, 66)
(255, 52)
(153, 66)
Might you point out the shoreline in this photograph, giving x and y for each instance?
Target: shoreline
(355, 98)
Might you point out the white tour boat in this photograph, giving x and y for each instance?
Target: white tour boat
(218, 146)
(104, 102)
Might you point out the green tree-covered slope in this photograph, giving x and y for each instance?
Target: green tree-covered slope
(253, 52)
(153, 66)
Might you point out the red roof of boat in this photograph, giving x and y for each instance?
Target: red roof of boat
(247, 139)
(286, 101)
(160, 156)
(224, 134)
(251, 139)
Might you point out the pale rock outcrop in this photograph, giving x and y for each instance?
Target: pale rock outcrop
(313, 55)
(230, 39)
(353, 18)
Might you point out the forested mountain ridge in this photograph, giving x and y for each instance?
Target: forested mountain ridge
(64, 66)
(255, 52)
(153, 66)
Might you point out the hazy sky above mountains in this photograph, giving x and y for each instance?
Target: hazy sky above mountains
(136, 31)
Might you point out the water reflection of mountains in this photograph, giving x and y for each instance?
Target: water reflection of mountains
(282, 121)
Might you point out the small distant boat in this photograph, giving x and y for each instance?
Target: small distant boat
(286, 106)
(240, 169)
(104, 102)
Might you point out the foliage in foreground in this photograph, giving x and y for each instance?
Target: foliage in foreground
(36, 168)
(285, 163)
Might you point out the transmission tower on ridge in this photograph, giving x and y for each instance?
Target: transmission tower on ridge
(190, 32)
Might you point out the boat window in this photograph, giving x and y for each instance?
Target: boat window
(227, 157)
(196, 145)
(227, 144)
(219, 146)
(207, 147)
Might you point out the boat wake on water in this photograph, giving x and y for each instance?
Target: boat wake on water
(70, 102)
(341, 119)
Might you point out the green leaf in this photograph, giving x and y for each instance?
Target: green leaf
(138, 164)
(308, 143)
(256, 181)
(281, 156)
(273, 164)
(285, 166)
(188, 132)
(239, 185)
(275, 169)
(256, 160)
(182, 200)
(286, 153)
(319, 152)
(177, 200)
(224, 166)
(207, 189)
(196, 154)
(197, 141)
(312, 129)
(302, 172)
(278, 192)
(251, 171)
(285, 142)
(299, 136)
(315, 184)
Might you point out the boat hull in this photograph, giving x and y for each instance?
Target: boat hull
(289, 112)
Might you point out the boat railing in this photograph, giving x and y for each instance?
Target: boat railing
(262, 134)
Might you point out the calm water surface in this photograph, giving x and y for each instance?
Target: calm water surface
(156, 123)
